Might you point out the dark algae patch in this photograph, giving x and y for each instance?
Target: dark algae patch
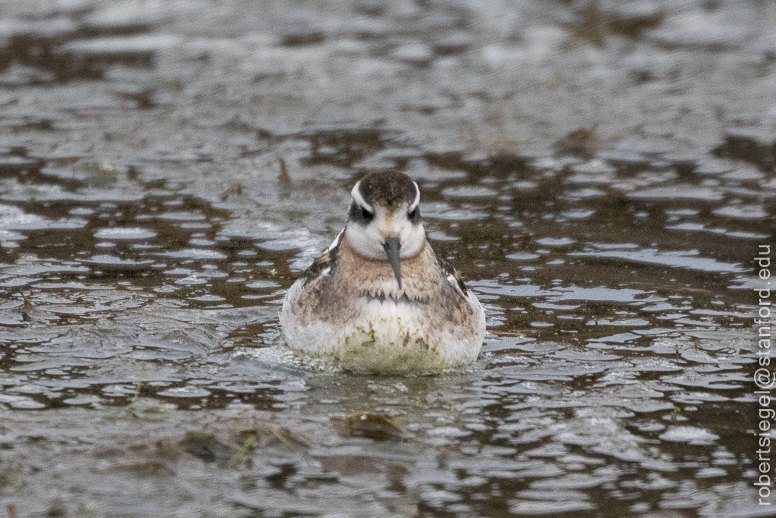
(372, 426)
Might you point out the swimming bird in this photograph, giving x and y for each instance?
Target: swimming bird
(379, 300)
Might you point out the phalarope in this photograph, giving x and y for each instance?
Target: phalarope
(379, 299)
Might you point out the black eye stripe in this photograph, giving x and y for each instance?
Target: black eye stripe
(414, 216)
(359, 214)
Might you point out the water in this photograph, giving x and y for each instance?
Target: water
(147, 238)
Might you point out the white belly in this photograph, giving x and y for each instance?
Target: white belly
(386, 338)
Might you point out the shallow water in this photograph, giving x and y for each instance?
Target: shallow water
(147, 239)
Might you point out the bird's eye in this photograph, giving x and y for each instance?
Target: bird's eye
(359, 214)
(414, 215)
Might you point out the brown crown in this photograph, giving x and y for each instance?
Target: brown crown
(387, 188)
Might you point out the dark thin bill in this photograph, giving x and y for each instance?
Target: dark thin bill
(392, 247)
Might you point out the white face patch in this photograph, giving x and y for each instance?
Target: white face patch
(368, 239)
(356, 195)
(416, 201)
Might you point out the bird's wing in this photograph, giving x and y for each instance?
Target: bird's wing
(325, 262)
(451, 274)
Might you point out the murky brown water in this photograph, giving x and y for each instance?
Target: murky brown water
(146, 243)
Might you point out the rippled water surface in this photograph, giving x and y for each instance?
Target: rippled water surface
(167, 173)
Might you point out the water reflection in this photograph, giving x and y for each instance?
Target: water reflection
(605, 357)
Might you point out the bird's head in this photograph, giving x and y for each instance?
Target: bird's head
(384, 219)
